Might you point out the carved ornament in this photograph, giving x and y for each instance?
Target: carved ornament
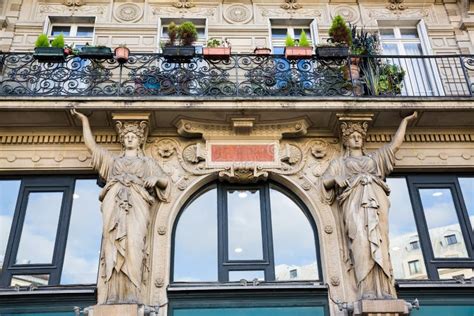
(237, 14)
(184, 4)
(291, 5)
(71, 3)
(128, 12)
(396, 5)
(243, 173)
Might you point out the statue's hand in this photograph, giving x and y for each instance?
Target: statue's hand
(341, 181)
(411, 117)
(81, 116)
(150, 182)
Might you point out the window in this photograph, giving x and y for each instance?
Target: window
(201, 28)
(422, 74)
(451, 239)
(414, 267)
(44, 220)
(281, 27)
(441, 207)
(245, 232)
(414, 245)
(76, 30)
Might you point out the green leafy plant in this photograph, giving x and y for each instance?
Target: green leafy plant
(172, 34)
(42, 41)
(383, 78)
(304, 41)
(289, 41)
(187, 33)
(364, 43)
(340, 32)
(58, 41)
(213, 43)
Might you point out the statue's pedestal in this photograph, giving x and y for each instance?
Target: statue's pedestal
(380, 308)
(116, 310)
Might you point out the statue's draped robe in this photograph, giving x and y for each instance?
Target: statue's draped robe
(364, 205)
(126, 207)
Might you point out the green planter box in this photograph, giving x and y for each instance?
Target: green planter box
(179, 53)
(332, 52)
(49, 54)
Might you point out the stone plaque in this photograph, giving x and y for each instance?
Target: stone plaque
(222, 154)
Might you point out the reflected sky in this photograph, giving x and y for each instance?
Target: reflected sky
(247, 275)
(81, 260)
(195, 257)
(401, 218)
(467, 188)
(8, 197)
(293, 236)
(245, 225)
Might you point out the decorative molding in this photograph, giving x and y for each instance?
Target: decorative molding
(268, 130)
(243, 173)
(423, 138)
(396, 5)
(185, 12)
(291, 5)
(54, 139)
(350, 14)
(184, 4)
(128, 12)
(238, 14)
(75, 3)
(99, 11)
(270, 12)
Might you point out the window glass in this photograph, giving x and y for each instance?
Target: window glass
(409, 33)
(244, 224)
(404, 245)
(8, 196)
(467, 188)
(442, 220)
(387, 33)
(38, 235)
(195, 257)
(31, 279)
(81, 260)
(246, 275)
(414, 267)
(390, 49)
(460, 273)
(58, 29)
(279, 33)
(85, 31)
(293, 240)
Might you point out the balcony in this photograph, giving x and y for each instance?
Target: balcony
(242, 76)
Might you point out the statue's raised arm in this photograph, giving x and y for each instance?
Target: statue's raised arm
(86, 130)
(400, 134)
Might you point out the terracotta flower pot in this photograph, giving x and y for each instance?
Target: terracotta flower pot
(216, 52)
(298, 52)
(121, 54)
(262, 51)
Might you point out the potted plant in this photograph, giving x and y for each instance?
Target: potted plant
(186, 34)
(339, 42)
(262, 51)
(122, 53)
(96, 52)
(216, 50)
(49, 52)
(300, 51)
(383, 78)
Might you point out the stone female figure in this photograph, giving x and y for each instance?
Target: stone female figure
(133, 184)
(357, 181)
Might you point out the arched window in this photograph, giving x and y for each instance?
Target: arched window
(227, 233)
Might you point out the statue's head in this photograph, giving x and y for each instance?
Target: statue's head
(132, 134)
(353, 134)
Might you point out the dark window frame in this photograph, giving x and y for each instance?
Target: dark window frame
(438, 181)
(267, 264)
(47, 183)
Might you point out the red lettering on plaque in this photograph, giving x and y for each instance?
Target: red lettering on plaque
(242, 153)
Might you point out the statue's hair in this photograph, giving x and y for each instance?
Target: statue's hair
(347, 128)
(138, 128)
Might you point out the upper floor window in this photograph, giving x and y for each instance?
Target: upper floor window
(439, 210)
(280, 28)
(77, 30)
(43, 240)
(245, 232)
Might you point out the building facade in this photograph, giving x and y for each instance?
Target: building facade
(244, 141)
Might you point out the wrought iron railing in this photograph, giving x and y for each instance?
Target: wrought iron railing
(241, 76)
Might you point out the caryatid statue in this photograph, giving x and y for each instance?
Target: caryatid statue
(134, 183)
(357, 181)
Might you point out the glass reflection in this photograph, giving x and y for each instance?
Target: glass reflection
(28, 280)
(81, 259)
(460, 273)
(467, 188)
(195, 252)
(39, 228)
(246, 275)
(443, 223)
(405, 251)
(293, 240)
(8, 197)
(245, 228)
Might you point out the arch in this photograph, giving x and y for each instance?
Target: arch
(275, 232)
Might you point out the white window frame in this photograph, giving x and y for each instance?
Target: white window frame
(290, 26)
(198, 21)
(426, 50)
(74, 25)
